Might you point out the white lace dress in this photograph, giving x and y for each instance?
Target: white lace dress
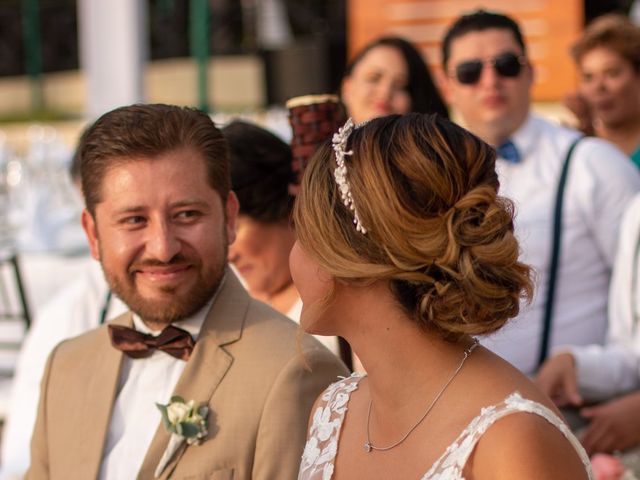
(322, 445)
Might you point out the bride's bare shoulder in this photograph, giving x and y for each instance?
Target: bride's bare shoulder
(495, 379)
(525, 446)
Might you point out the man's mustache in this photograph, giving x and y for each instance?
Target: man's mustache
(178, 260)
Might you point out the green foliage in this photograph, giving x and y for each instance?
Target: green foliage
(37, 116)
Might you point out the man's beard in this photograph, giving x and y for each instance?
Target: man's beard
(178, 307)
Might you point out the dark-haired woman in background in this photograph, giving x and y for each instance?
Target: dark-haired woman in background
(260, 176)
(389, 76)
(406, 250)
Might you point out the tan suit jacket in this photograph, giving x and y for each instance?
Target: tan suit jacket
(246, 366)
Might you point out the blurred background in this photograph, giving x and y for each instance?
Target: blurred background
(66, 61)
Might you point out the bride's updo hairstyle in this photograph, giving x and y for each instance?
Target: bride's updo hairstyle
(425, 191)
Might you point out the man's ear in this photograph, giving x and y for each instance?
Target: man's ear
(345, 89)
(90, 229)
(444, 84)
(532, 74)
(232, 207)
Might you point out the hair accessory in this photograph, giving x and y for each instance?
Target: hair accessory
(339, 142)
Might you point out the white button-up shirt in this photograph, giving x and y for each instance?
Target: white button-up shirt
(613, 369)
(601, 182)
(135, 417)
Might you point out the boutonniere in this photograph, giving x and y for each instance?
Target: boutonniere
(185, 422)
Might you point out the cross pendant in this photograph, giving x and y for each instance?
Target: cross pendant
(367, 447)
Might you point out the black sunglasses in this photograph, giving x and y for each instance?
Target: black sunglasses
(506, 65)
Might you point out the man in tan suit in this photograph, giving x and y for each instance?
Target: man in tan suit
(159, 217)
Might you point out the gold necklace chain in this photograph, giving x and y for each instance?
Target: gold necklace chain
(368, 446)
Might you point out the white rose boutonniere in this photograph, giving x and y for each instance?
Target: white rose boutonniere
(185, 422)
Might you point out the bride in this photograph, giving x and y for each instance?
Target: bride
(405, 249)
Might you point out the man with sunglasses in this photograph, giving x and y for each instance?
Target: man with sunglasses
(488, 80)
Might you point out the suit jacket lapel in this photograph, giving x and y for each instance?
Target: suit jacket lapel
(206, 367)
(97, 406)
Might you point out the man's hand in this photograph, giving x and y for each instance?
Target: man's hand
(615, 425)
(557, 378)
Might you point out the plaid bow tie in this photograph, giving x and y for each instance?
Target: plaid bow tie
(173, 340)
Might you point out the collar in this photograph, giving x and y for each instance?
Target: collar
(192, 324)
(525, 138)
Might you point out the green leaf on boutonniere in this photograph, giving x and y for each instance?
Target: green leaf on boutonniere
(185, 419)
(165, 417)
(185, 422)
(187, 430)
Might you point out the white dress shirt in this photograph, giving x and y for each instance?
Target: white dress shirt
(328, 341)
(135, 417)
(294, 313)
(601, 182)
(614, 369)
(75, 309)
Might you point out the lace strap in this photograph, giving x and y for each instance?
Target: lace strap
(459, 451)
(322, 442)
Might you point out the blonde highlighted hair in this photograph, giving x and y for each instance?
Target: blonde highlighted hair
(437, 231)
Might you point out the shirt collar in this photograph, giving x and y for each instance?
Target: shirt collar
(526, 137)
(192, 324)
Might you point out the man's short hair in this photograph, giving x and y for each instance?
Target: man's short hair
(476, 21)
(147, 131)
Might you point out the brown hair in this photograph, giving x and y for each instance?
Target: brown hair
(148, 131)
(426, 191)
(612, 31)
